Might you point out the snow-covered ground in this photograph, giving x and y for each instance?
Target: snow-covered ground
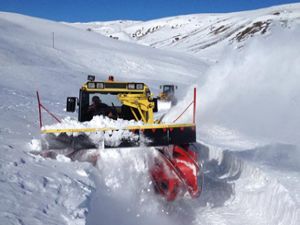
(248, 120)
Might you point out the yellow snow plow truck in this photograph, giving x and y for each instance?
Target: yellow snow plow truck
(175, 170)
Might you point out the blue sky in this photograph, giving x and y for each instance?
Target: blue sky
(103, 10)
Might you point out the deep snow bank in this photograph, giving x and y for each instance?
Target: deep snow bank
(239, 185)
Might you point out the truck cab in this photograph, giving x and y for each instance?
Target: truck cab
(126, 100)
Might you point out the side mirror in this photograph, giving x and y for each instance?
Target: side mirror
(71, 104)
(160, 86)
(176, 87)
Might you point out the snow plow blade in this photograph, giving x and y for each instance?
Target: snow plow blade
(133, 136)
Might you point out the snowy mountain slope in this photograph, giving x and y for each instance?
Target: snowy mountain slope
(198, 32)
(38, 35)
(108, 28)
(247, 106)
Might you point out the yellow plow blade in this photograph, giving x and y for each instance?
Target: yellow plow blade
(131, 136)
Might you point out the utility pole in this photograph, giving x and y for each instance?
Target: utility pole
(53, 39)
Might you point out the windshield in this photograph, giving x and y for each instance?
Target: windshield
(108, 99)
(167, 88)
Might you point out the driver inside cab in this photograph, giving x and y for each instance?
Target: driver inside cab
(99, 108)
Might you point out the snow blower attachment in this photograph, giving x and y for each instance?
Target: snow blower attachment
(176, 169)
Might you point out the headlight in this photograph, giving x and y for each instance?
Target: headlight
(91, 85)
(140, 86)
(131, 86)
(100, 85)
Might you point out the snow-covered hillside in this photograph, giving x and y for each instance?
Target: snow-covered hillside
(248, 120)
(108, 29)
(200, 33)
